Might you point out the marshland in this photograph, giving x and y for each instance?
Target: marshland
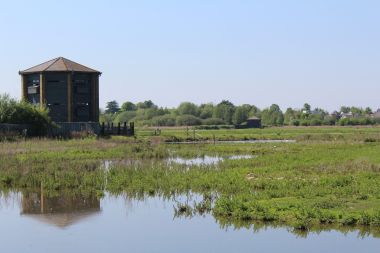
(325, 181)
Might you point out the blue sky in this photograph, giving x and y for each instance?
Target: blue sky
(325, 52)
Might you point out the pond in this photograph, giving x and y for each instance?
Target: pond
(32, 222)
(193, 161)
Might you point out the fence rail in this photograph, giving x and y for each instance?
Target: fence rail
(67, 129)
(118, 129)
(13, 129)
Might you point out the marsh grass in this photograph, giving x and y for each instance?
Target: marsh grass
(317, 181)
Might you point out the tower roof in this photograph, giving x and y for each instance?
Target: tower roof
(59, 64)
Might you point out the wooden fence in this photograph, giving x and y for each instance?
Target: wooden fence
(68, 128)
(11, 130)
(118, 129)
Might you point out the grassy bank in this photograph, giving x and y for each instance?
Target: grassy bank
(318, 180)
(325, 133)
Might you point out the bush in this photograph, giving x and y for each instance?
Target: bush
(295, 122)
(328, 122)
(125, 116)
(356, 121)
(14, 112)
(187, 120)
(315, 122)
(164, 120)
(213, 121)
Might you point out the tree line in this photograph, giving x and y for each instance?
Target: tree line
(226, 113)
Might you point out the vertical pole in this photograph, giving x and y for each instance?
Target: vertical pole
(95, 97)
(24, 89)
(42, 199)
(70, 97)
(102, 131)
(118, 128)
(42, 90)
(125, 128)
(111, 127)
(132, 128)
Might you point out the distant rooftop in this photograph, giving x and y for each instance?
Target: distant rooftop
(59, 64)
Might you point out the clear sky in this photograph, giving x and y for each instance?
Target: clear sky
(325, 52)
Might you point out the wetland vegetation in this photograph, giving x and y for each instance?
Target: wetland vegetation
(328, 178)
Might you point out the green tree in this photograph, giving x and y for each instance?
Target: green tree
(272, 116)
(224, 110)
(307, 108)
(125, 116)
(112, 107)
(368, 111)
(128, 106)
(187, 120)
(345, 109)
(289, 116)
(206, 110)
(254, 111)
(188, 108)
(164, 120)
(241, 114)
(357, 111)
(15, 112)
(146, 104)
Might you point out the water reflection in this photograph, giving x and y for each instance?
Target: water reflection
(60, 209)
(170, 223)
(194, 161)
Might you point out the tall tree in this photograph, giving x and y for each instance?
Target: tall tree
(112, 107)
(240, 114)
(272, 116)
(146, 104)
(188, 108)
(128, 106)
(206, 110)
(224, 110)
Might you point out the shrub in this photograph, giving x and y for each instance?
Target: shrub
(213, 121)
(187, 120)
(125, 116)
(295, 122)
(14, 112)
(315, 122)
(164, 120)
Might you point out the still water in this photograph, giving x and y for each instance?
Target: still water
(32, 222)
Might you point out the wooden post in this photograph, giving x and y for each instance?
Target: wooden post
(95, 97)
(24, 88)
(69, 97)
(118, 128)
(102, 131)
(111, 127)
(42, 199)
(132, 128)
(42, 90)
(125, 128)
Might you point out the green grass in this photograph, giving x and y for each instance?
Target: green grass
(324, 133)
(316, 181)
